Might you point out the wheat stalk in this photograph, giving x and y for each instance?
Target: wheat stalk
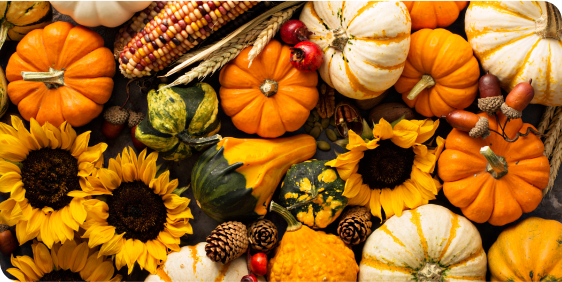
(553, 132)
(554, 167)
(546, 119)
(267, 34)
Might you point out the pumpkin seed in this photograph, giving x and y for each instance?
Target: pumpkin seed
(333, 122)
(310, 118)
(323, 145)
(331, 135)
(325, 122)
(316, 116)
(307, 128)
(317, 124)
(310, 123)
(315, 132)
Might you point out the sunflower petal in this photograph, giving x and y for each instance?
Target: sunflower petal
(133, 249)
(100, 235)
(172, 201)
(79, 257)
(170, 187)
(92, 263)
(113, 246)
(35, 221)
(38, 133)
(148, 262)
(102, 272)
(18, 193)
(149, 173)
(53, 134)
(80, 144)
(25, 138)
(92, 154)
(6, 167)
(65, 253)
(129, 172)
(353, 186)
(423, 180)
(54, 255)
(68, 135)
(386, 202)
(363, 198)
(116, 167)
(383, 130)
(169, 241)
(120, 257)
(21, 234)
(178, 229)
(6, 208)
(412, 197)
(354, 140)
(77, 210)
(18, 274)
(110, 179)
(375, 203)
(28, 267)
(14, 152)
(42, 257)
(405, 134)
(9, 180)
(117, 278)
(426, 130)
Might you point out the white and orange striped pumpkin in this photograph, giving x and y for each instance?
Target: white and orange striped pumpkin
(429, 243)
(365, 44)
(518, 41)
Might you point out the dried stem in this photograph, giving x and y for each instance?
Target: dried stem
(553, 132)
(546, 118)
(554, 167)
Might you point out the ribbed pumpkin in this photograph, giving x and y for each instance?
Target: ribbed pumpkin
(432, 14)
(235, 179)
(429, 243)
(440, 75)
(365, 44)
(180, 120)
(485, 191)
(315, 191)
(20, 17)
(304, 254)
(271, 96)
(517, 41)
(61, 73)
(531, 250)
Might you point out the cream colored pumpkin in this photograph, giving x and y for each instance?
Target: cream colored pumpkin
(191, 264)
(518, 41)
(365, 44)
(95, 13)
(429, 243)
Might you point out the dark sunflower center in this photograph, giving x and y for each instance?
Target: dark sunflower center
(61, 275)
(135, 209)
(386, 166)
(47, 176)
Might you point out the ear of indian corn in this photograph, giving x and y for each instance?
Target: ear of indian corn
(136, 24)
(180, 26)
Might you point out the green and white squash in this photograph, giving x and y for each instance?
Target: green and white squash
(17, 18)
(3, 93)
(313, 193)
(180, 120)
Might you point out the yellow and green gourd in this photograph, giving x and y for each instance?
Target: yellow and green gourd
(313, 193)
(180, 120)
(17, 18)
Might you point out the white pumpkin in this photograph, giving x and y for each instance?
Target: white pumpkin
(96, 13)
(365, 44)
(429, 243)
(3, 93)
(518, 41)
(191, 264)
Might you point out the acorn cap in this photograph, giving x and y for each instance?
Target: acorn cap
(511, 112)
(116, 115)
(134, 118)
(482, 129)
(490, 105)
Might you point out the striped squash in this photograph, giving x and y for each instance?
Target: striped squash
(365, 44)
(429, 243)
(3, 93)
(518, 41)
(20, 17)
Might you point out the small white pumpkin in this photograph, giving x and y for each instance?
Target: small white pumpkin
(429, 243)
(518, 41)
(3, 93)
(96, 13)
(191, 264)
(365, 44)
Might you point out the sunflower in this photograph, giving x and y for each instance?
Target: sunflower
(40, 169)
(67, 262)
(140, 219)
(393, 170)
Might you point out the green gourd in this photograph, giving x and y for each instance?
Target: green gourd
(313, 193)
(180, 120)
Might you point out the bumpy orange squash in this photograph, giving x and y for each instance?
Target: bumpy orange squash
(271, 96)
(441, 74)
(432, 14)
(528, 251)
(497, 193)
(68, 75)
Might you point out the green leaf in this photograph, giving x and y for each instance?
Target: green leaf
(367, 131)
(180, 190)
(398, 120)
(342, 142)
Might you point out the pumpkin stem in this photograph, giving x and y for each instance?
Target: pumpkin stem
(430, 272)
(4, 32)
(425, 82)
(497, 166)
(53, 78)
(340, 39)
(293, 224)
(198, 141)
(269, 87)
(549, 25)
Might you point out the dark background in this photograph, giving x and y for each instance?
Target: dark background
(202, 224)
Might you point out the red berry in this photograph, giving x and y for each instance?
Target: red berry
(138, 144)
(111, 130)
(293, 32)
(249, 278)
(306, 56)
(258, 265)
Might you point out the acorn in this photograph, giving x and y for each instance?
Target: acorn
(518, 99)
(475, 125)
(134, 119)
(8, 243)
(115, 119)
(491, 98)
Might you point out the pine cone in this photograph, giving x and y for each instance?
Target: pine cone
(355, 225)
(227, 242)
(262, 235)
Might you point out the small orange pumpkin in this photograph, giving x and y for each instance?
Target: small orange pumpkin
(432, 14)
(441, 73)
(271, 96)
(489, 187)
(67, 75)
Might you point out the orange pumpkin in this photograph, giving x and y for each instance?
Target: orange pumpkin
(441, 73)
(67, 75)
(271, 96)
(489, 187)
(432, 14)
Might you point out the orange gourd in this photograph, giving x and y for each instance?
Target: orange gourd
(67, 75)
(271, 96)
(496, 185)
(528, 251)
(441, 73)
(432, 14)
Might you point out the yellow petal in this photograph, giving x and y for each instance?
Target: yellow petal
(113, 246)
(54, 255)
(437, 151)
(6, 208)
(100, 235)
(92, 154)
(22, 235)
(103, 272)
(18, 274)
(350, 157)
(77, 210)
(65, 253)
(149, 173)
(398, 200)
(39, 134)
(18, 193)
(7, 129)
(375, 203)
(116, 167)
(68, 135)
(169, 241)
(85, 169)
(426, 130)
(8, 181)
(412, 197)
(92, 263)
(80, 144)
(178, 229)
(79, 257)
(46, 234)
(110, 179)
(12, 152)
(120, 257)
(383, 130)
(42, 257)
(172, 201)
(362, 198)
(25, 138)
(133, 249)
(117, 278)
(148, 262)
(53, 134)
(170, 187)
(35, 221)
(6, 167)
(405, 134)
(426, 162)
(354, 140)
(386, 202)
(352, 186)
(60, 230)
(129, 172)
(423, 180)
(28, 267)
